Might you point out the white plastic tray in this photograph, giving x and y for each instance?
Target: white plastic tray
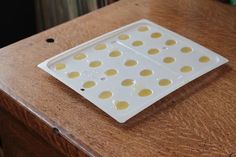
(125, 71)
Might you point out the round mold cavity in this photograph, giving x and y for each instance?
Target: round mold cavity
(204, 59)
(60, 66)
(111, 72)
(95, 64)
(168, 60)
(164, 82)
(100, 46)
(145, 92)
(137, 43)
(127, 82)
(115, 53)
(80, 56)
(146, 73)
(105, 95)
(170, 42)
(156, 35)
(130, 63)
(123, 37)
(153, 51)
(89, 84)
(186, 69)
(73, 74)
(143, 28)
(186, 49)
(121, 105)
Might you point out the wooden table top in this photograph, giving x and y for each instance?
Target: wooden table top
(197, 120)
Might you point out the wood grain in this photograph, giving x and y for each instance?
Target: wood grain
(19, 141)
(196, 120)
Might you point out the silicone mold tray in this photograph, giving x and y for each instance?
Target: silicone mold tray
(126, 70)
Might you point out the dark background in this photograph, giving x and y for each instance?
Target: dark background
(18, 20)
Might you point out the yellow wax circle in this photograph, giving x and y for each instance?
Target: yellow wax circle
(105, 95)
(145, 92)
(115, 53)
(127, 82)
(89, 84)
(186, 49)
(123, 37)
(95, 64)
(143, 29)
(100, 46)
(146, 72)
(186, 69)
(80, 56)
(111, 72)
(121, 105)
(60, 66)
(156, 35)
(170, 42)
(204, 59)
(164, 82)
(168, 60)
(73, 75)
(153, 51)
(130, 63)
(137, 43)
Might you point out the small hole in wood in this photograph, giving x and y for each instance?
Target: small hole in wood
(50, 40)
(56, 131)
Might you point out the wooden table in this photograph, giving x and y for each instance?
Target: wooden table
(197, 120)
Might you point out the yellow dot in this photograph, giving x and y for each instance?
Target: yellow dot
(156, 35)
(145, 92)
(123, 37)
(80, 56)
(168, 60)
(137, 43)
(204, 59)
(73, 75)
(143, 29)
(127, 82)
(170, 42)
(105, 95)
(115, 53)
(186, 49)
(111, 72)
(121, 105)
(95, 64)
(146, 72)
(153, 51)
(60, 66)
(89, 84)
(164, 82)
(130, 63)
(100, 46)
(186, 69)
